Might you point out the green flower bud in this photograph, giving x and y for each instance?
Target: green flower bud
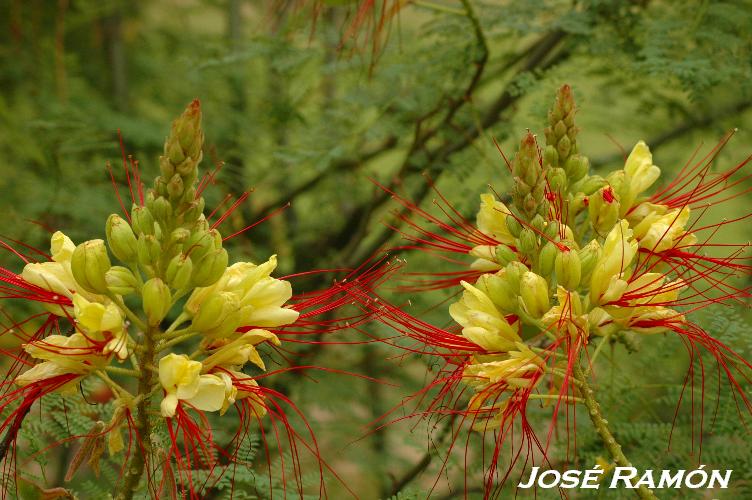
(501, 292)
(568, 269)
(603, 210)
(179, 272)
(161, 209)
(142, 220)
(175, 187)
(174, 154)
(539, 223)
(194, 210)
(210, 268)
(546, 259)
(121, 280)
(577, 167)
(590, 185)
(564, 147)
(514, 226)
(534, 294)
(528, 241)
(157, 300)
(557, 180)
(505, 255)
(120, 238)
(166, 167)
(589, 255)
(551, 156)
(214, 311)
(89, 263)
(513, 274)
(149, 251)
(552, 229)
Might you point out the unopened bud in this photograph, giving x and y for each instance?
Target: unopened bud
(501, 292)
(577, 167)
(505, 255)
(589, 256)
(120, 280)
(210, 268)
(528, 241)
(142, 220)
(157, 300)
(513, 274)
(551, 156)
(120, 238)
(161, 209)
(539, 223)
(534, 294)
(590, 185)
(148, 250)
(89, 263)
(179, 272)
(568, 269)
(175, 187)
(557, 180)
(214, 311)
(547, 258)
(552, 229)
(513, 225)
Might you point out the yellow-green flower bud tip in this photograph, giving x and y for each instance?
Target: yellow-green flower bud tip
(561, 132)
(179, 272)
(534, 294)
(589, 256)
(603, 210)
(501, 292)
(505, 255)
(89, 263)
(156, 300)
(120, 238)
(210, 268)
(148, 251)
(514, 226)
(568, 269)
(182, 149)
(525, 164)
(528, 241)
(142, 220)
(547, 258)
(120, 280)
(215, 310)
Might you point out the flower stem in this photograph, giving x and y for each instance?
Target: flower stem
(601, 427)
(135, 468)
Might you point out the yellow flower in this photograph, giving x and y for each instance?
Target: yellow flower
(182, 380)
(646, 311)
(483, 324)
(608, 280)
(62, 355)
(660, 229)
(492, 219)
(567, 316)
(259, 297)
(236, 353)
(513, 371)
(639, 175)
(97, 318)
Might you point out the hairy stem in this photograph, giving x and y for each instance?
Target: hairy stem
(135, 468)
(601, 427)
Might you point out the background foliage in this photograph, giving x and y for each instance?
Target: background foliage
(304, 112)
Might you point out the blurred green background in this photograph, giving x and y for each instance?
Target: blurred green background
(306, 101)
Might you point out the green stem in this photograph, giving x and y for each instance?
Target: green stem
(596, 353)
(175, 340)
(130, 314)
(601, 427)
(135, 469)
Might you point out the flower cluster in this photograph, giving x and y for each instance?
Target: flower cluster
(568, 260)
(169, 324)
